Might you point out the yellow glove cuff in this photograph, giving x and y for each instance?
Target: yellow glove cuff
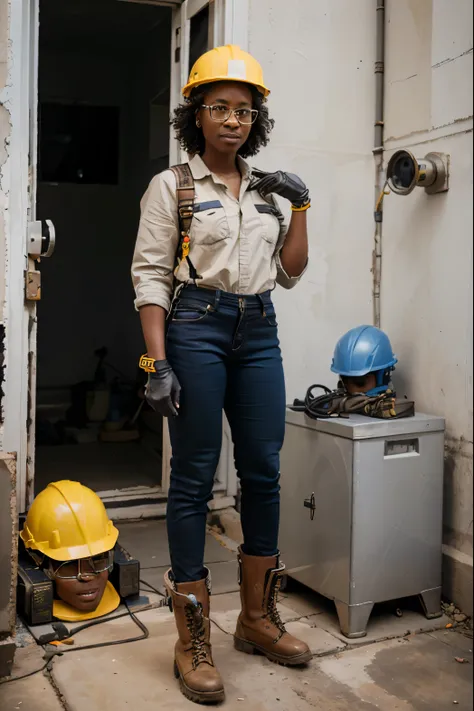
(301, 209)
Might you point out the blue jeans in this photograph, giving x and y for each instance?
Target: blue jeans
(225, 352)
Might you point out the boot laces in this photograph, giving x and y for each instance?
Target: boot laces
(195, 624)
(272, 609)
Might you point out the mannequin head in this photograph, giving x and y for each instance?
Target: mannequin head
(361, 384)
(70, 537)
(81, 583)
(364, 360)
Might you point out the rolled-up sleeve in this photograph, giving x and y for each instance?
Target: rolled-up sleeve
(282, 278)
(157, 242)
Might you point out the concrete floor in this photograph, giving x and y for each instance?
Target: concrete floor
(396, 667)
(148, 541)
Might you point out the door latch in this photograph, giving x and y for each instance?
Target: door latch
(41, 239)
(311, 505)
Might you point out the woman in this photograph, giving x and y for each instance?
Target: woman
(220, 350)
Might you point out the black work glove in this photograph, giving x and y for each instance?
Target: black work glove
(287, 185)
(163, 389)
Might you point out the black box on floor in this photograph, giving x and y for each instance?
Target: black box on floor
(125, 576)
(35, 591)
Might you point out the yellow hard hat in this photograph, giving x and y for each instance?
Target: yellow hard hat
(227, 63)
(67, 521)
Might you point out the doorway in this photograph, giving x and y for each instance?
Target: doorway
(103, 127)
(98, 80)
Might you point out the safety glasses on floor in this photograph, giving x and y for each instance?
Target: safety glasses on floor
(82, 568)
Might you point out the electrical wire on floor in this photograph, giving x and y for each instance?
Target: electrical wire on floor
(50, 654)
(229, 634)
(164, 602)
(25, 676)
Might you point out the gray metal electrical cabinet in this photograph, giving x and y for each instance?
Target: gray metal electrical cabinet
(361, 511)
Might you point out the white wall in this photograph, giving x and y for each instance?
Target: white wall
(318, 60)
(427, 250)
(4, 133)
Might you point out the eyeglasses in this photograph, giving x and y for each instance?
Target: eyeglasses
(220, 113)
(81, 568)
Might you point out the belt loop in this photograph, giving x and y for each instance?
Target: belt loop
(262, 305)
(217, 299)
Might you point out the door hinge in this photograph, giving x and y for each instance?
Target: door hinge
(177, 51)
(33, 285)
(311, 505)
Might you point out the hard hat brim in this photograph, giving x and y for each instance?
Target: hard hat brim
(360, 373)
(186, 91)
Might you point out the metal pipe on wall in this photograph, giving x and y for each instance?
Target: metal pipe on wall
(378, 155)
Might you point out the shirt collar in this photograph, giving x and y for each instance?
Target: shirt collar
(200, 170)
(244, 168)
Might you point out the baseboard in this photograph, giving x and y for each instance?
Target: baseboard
(458, 579)
(140, 509)
(7, 653)
(136, 513)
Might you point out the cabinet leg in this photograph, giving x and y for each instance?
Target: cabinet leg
(353, 619)
(431, 601)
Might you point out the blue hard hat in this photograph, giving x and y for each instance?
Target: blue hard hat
(362, 350)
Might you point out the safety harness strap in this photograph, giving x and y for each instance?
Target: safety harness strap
(186, 194)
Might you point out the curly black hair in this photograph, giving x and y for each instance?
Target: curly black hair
(191, 137)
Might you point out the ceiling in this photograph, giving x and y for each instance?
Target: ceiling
(110, 24)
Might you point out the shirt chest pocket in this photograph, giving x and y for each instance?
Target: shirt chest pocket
(210, 224)
(270, 223)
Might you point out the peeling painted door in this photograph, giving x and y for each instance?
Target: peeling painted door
(197, 25)
(21, 278)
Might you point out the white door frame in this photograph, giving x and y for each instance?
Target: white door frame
(19, 183)
(231, 26)
(236, 22)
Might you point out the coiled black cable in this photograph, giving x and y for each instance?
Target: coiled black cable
(318, 407)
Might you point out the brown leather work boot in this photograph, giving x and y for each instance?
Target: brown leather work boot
(193, 666)
(259, 627)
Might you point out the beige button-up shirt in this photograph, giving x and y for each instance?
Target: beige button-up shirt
(235, 244)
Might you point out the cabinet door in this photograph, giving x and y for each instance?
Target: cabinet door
(316, 493)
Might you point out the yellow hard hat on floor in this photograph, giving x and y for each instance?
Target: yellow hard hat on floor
(228, 63)
(68, 521)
